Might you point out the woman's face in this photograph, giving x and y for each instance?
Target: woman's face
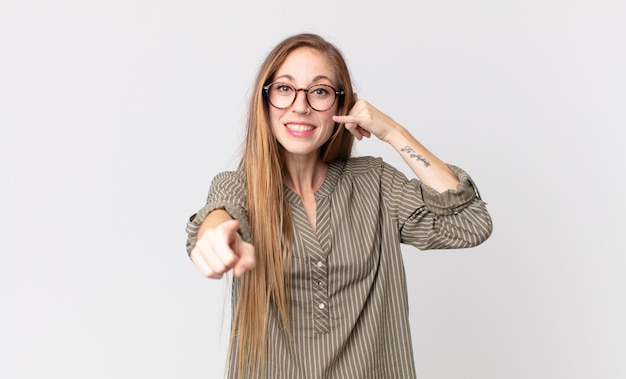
(301, 130)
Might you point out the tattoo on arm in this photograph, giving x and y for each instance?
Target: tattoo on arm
(413, 154)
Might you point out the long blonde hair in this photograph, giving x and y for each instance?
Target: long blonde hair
(267, 285)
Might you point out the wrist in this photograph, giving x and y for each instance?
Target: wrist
(399, 137)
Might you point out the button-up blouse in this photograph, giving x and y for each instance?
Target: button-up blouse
(349, 302)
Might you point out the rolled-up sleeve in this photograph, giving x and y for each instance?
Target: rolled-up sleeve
(228, 192)
(428, 219)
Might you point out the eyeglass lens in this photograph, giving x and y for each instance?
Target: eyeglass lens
(320, 97)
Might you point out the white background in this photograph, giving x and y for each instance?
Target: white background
(115, 115)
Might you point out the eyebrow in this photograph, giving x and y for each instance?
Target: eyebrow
(315, 79)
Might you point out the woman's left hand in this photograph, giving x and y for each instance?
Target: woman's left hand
(363, 120)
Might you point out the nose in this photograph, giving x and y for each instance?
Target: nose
(301, 104)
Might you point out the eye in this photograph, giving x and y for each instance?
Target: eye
(283, 89)
(320, 91)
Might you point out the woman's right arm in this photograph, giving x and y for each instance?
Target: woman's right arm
(219, 247)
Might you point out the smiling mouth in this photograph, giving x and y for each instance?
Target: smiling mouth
(299, 128)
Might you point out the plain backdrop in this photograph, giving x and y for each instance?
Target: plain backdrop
(115, 115)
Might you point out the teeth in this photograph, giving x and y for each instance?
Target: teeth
(299, 128)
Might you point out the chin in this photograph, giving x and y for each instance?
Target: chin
(300, 150)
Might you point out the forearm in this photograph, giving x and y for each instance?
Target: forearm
(365, 120)
(429, 169)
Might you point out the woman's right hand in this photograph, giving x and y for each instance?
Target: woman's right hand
(220, 249)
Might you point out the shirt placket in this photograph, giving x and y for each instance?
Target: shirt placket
(316, 246)
(319, 267)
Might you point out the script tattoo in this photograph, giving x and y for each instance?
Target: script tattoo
(413, 154)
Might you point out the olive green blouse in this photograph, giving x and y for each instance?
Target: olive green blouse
(349, 301)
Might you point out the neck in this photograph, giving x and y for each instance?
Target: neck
(304, 175)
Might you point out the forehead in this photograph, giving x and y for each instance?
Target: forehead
(304, 64)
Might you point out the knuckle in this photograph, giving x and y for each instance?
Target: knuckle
(230, 261)
(196, 252)
(217, 267)
(214, 272)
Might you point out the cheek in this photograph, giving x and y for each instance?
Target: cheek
(274, 119)
(330, 126)
(327, 121)
(274, 113)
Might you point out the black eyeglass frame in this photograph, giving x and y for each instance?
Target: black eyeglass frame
(266, 90)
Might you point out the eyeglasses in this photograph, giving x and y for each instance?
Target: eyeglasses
(320, 97)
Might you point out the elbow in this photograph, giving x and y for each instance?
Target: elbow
(466, 229)
(480, 230)
(483, 234)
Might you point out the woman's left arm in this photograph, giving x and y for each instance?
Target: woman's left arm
(445, 211)
(365, 120)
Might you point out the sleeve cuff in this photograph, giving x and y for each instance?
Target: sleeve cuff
(193, 225)
(451, 201)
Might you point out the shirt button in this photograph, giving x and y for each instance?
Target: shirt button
(320, 264)
(319, 282)
(321, 305)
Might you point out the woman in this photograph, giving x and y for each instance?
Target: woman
(313, 235)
